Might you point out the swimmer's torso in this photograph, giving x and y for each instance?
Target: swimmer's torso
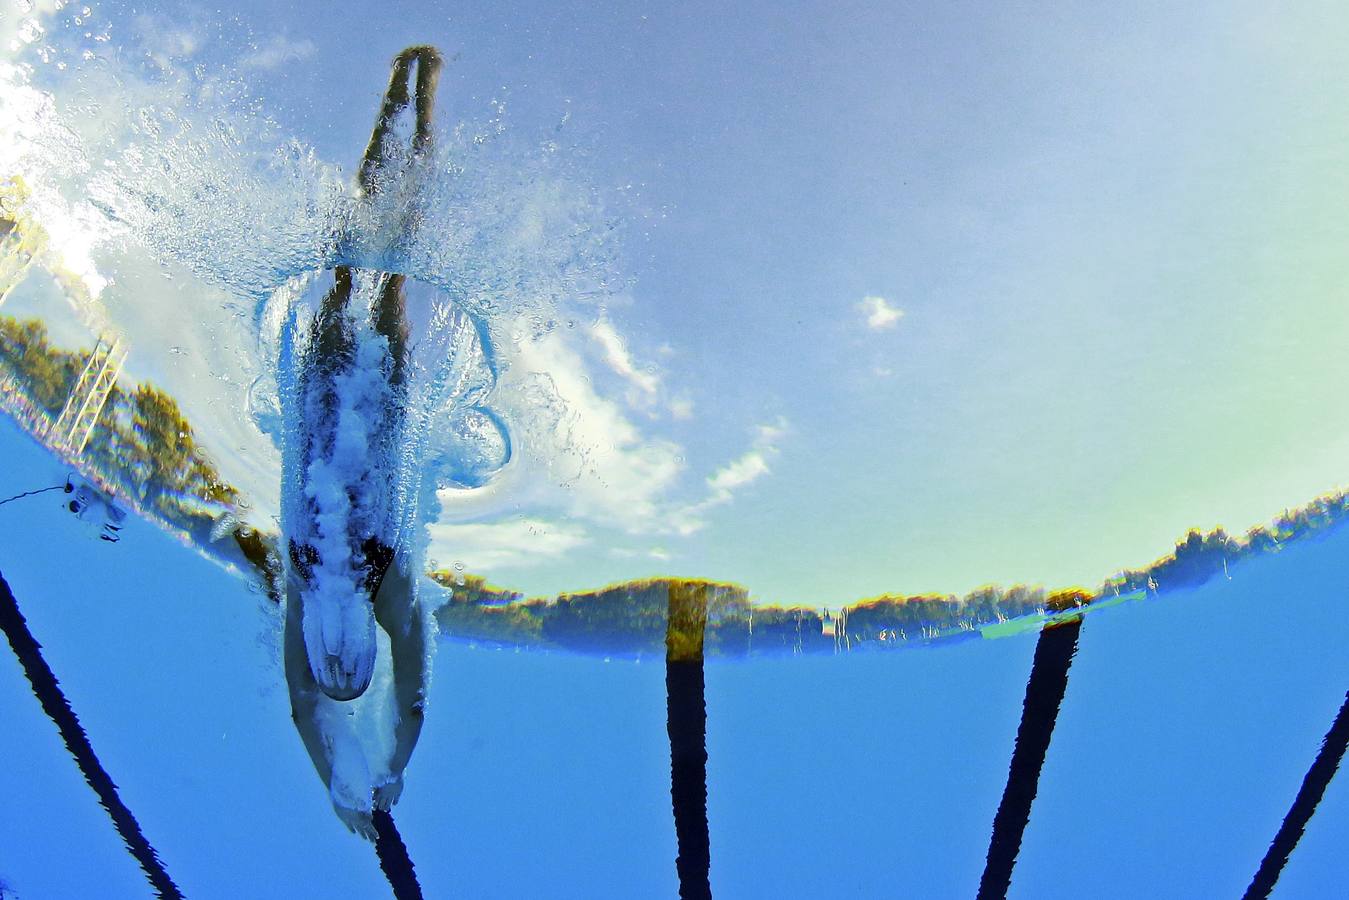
(342, 497)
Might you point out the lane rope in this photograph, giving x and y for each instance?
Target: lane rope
(1304, 806)
(394, 858)
(48, 692)
(1045, 689)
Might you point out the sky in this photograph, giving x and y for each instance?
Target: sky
(913, 296)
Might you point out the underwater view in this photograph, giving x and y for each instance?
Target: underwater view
(600, 450)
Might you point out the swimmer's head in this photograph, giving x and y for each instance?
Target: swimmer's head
(339, 639)
(339, 680)
(338, 622)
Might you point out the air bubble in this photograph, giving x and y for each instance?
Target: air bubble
(29, 31)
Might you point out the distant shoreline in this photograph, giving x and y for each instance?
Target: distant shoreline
(145, 454)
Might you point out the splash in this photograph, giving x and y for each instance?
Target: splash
(211, 222)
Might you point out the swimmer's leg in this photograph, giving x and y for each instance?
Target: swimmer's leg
(391, 321)
(428, 78)
(332, 336)
(390, 311)
(399, 612)
(396, 98)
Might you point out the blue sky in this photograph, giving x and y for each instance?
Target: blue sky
(1115, 238)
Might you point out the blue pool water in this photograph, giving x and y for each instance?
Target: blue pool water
(1188, 725)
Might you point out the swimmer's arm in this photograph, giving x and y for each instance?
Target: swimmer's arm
(400, 614)
(410, 692)
(305, 698)
(304, 691)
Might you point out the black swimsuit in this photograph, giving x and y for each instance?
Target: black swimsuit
(378, 558)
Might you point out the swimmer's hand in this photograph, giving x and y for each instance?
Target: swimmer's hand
(387, 794)
(358, 821)
(353, 808)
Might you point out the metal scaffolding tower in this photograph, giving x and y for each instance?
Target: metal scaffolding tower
(87, 399)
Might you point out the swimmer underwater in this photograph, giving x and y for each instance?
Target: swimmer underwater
(349, 567)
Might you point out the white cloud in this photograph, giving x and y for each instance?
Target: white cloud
(580, 454)
(766, 436)
(745, 470)
(581, 457)
(657, 553)
(581, 466)
(879, 314)
(516, 543)
(617, 357)
(167, 40)
(645, 387)
(751, 465)
(277, 52)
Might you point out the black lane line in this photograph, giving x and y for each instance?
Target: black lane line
(48, 692)
(686, 711)
(1044, 694)
(1304, 806)
(394, 858)
(687, 725)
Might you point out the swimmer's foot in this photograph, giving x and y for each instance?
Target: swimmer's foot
(387, 794)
